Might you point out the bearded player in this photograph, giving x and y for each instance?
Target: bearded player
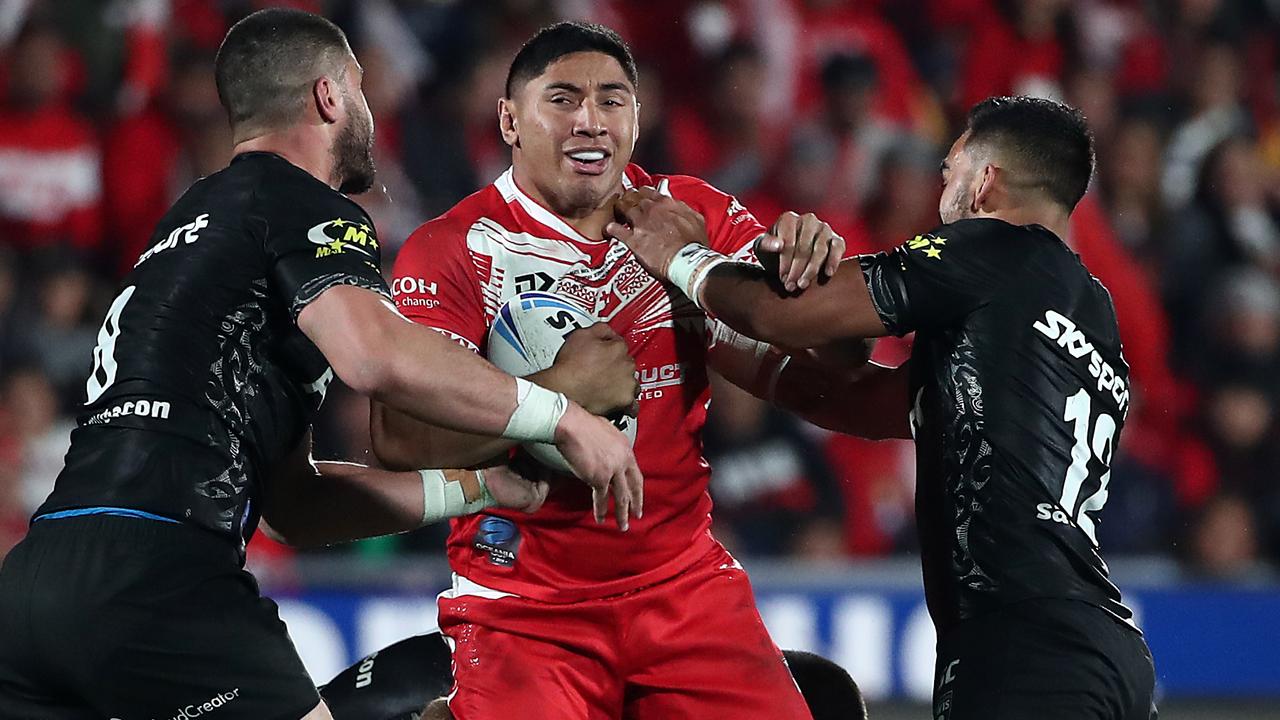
(658, 621)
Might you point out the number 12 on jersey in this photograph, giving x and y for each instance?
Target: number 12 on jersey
(1100, 445)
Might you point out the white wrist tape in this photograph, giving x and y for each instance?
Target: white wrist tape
(689, 268)
(538, 411)
(443, 499)
(745, 360)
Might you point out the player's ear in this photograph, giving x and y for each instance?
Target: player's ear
(986, 186)
(327, 97)
(507, 122)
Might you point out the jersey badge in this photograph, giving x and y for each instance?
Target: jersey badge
(931, 245)
(335, 237)
(500, 538)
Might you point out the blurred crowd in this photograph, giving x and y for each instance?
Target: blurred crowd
(844, 108)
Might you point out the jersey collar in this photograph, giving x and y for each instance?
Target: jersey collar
(506, 185)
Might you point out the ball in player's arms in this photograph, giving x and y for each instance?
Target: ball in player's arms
(526, 337)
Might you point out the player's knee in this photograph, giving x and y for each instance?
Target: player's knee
(437, 709)
(827, 688)
(320, 712)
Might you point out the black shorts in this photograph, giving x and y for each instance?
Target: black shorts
(1044, 660)
(118, 617)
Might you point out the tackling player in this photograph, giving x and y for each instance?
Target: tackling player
(1015, 392)
(406, 681)
(659, 621)
(128, 598)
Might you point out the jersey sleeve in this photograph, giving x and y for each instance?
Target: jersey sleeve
(435, 283)
(731, 228)
(935, 279)
(315, 243)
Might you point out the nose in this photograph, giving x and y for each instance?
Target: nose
(587, 122)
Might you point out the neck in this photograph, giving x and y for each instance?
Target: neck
(301, 146)
(588, 221)
(1050, 216)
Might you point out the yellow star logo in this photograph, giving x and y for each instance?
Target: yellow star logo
(365, 228)
(934, 253)
(339, 223)
(335, 246)
(940, 241)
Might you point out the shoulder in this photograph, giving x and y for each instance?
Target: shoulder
(986, 234)
(451, 228)
(712, 202)
(284, 191)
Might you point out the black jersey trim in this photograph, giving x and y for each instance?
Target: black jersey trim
(312, 289)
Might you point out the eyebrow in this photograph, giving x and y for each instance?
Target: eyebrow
(570, 87)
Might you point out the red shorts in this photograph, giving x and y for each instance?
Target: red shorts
(689, 647)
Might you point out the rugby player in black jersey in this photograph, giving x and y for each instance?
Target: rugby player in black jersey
(127, 599)
(1015, 392)
(406, 681)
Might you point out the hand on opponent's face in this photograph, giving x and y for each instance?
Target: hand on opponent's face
(800, 248)
(655, 227)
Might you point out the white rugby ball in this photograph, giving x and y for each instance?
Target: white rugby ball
(526, 335)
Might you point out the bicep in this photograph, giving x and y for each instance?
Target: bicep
(871, 402)
(350, 327)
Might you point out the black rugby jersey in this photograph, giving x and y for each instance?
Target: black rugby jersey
(201, 379)
(1018, 394)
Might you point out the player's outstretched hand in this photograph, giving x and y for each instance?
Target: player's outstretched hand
(594, 370)
(803, 246)
(601, 457)
(655, 226)
(512, 490)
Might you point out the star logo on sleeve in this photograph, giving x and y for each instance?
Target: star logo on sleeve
(929, 244)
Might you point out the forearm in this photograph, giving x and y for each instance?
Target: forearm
(401, 442)
(745, 298)
(338, 502)
(835, 388)
(381, 354)
(341, 502)
(870, 402)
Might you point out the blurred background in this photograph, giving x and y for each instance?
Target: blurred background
(108, 112)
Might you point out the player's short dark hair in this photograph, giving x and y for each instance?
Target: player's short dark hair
(827, 688)
(269, 61)
(1048, 144)
(555, 41)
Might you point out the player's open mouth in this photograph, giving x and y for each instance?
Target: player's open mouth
(589, 161)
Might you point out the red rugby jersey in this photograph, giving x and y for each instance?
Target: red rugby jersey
(454, 273)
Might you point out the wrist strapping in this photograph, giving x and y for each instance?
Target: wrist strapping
(538, 411)
(689, 268)
(444, 499)
(760, 364)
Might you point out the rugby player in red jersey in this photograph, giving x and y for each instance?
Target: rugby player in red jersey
(551, 615)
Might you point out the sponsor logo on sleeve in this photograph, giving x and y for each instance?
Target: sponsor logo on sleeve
(930, 245)
(336, 237)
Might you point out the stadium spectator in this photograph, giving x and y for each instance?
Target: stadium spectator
(727, 138)
(50, 188)
(774, 493)
(59, 330)
(183, 136)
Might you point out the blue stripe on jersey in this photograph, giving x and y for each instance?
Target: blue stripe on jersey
(117, 511)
